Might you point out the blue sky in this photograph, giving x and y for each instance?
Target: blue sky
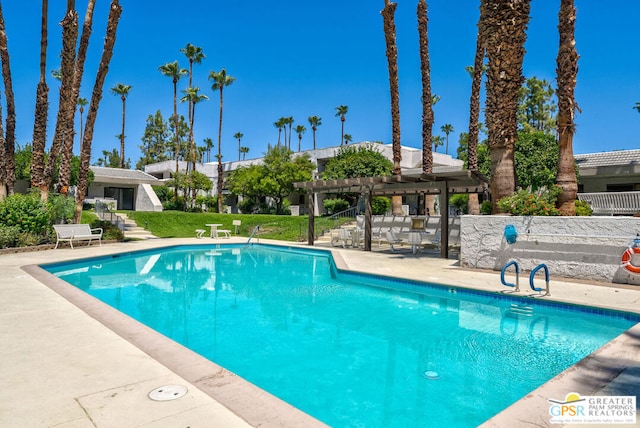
(304, 58)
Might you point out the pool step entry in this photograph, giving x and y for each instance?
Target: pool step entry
(516, 286)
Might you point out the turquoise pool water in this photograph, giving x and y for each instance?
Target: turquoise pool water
(349, 349)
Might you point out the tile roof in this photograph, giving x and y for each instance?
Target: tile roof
(128, 174)
(618, 157)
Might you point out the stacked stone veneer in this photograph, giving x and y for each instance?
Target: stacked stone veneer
(576, 247)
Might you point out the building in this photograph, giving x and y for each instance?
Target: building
(616, 171)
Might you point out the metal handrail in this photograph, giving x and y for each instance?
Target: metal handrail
(104, 213)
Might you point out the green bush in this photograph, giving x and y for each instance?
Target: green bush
(380, 205)
(60, 208)
(9, 236)
(335, 205)
(27, 212)
(583, 208)
(460, 201)
(109, 231)
(526, 202)
(486, 208)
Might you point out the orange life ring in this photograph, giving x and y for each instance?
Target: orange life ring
(627, 257)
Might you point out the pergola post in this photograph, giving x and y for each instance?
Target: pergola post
(312, 216)
(444, 219)
(367, 220)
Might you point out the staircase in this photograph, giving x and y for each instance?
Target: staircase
(133, 231)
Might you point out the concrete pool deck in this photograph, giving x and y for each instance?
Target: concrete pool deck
(61, 366)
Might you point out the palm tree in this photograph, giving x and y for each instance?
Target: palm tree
(567, 70)
(173, 70)
(314, 121)
(42, 107)
(82, 102)
(347, 138)
(279, 124)
(341, 111)
(244, 151)
(504, 24)
(637, 106)
(392, 64)
(208, 145)
(427, 96)
(300, 129)
(437, 142)
(476, 71)
(115, 11)
(193, 97)
(447, 128)
(220, 81)
(64, 178)
(238, 136)
(195, 56)
(289, 121)
(123, 91)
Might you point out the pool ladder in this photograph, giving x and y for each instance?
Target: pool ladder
(255, 230)
(516, 286)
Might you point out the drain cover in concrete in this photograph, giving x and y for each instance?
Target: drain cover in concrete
(167, 393)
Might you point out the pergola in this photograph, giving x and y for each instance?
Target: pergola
(443, 183)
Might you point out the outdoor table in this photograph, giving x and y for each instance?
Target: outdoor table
(214, 229)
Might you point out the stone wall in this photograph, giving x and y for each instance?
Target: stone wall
(575, 247)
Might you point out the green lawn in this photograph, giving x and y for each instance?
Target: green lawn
(178, 224)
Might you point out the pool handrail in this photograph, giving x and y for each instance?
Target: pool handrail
(509, 284)
(255, 230)
(546, 278)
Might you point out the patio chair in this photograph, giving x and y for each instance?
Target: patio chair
(393, 239)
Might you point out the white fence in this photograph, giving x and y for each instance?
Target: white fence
(612, 203)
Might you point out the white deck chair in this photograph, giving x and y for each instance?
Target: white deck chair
(393, 239)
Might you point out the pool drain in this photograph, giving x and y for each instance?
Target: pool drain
(431, 375)
(168, 393)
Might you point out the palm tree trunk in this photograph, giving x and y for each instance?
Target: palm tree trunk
(473, 204)
(85, 154)
(3, 160)
(42, 107)
(67, 153)
(124, 107)
(220, 171)
(9, 177)
(567, 71)
(504, 24)
(69, 37)
(427, 104)
(392, 64)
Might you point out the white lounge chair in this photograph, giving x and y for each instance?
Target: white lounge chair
(393, 239)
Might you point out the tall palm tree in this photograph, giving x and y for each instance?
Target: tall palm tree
(476, 71)
(192, 97)
(347, 138)
(427, 96)
(238, 136)
(279, 124)
(9, 178)
(314, 121)
(447, 128)
(123, 91)
(437, 142)
(220, 81)
(244, 151)
(42, 107)
(64, 178)
(194, 55)
(82, 103)
(115, 10)
(300, 129)
(173, 70)
(567, 70)
(208, 145)
(389, 27)
(289, 121)
(504, 24)
(341, 111)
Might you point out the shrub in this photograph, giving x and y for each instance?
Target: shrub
(380, 205)
(60, 208)
(526, 202)
(109, 231)
(335, 205)
(460, 201)
(9, 236)
(27, 212)
(583, 208)
(486, 208)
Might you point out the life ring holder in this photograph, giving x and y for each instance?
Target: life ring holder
(628, 257)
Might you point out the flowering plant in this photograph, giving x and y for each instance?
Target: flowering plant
(527, 202)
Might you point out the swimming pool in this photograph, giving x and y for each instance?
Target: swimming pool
(349, 349)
